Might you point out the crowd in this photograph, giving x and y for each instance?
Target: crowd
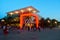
(7, 28)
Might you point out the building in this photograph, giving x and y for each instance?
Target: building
(15, 15)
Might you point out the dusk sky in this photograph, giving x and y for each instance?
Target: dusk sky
(47, 8)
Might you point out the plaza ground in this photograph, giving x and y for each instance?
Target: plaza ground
(25, 35)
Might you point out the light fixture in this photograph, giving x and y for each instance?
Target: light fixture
(22, 11)
(16, 12)
(55, 22)
(29, 9)
(48, 21)
(34, 11)
(11, 13)
(2, 20)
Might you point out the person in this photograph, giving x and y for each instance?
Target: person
(34, 27)
(28, 26)
(8, 27)
(0, 26)
(5, 30)
(18, 29)
(39, 28)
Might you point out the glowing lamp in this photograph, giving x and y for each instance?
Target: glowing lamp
(34, 11)
(16, 12)
(55, 22)
(11, 13)
(29, 9)
(22, 11)
(2, 20)
(48, 21)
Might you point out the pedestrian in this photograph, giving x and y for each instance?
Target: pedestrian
(5, 30)
(34, 28)
(18, 29)
(39, 28)
(28, 28)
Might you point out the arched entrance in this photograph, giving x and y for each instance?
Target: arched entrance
(25, 15)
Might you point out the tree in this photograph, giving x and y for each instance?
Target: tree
(54, 22)
(0, 20)
(42, 21)
(48, 22)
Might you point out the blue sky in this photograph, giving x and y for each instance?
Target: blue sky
(47, 8)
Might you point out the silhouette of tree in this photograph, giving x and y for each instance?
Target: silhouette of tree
(42, 22)
(54, 23)
(48, 22)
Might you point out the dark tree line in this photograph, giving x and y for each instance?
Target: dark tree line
(48, 23)
(44, 23)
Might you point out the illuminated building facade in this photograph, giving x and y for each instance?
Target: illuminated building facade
(25, 16)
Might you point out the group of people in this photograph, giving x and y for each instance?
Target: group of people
(7, 28)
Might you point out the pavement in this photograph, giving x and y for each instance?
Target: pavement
(25, 35)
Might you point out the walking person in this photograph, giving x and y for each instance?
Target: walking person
(39, 28)
(5, 30)
(18, 29)
(28, 26)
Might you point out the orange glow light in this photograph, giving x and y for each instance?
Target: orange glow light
(29, 14)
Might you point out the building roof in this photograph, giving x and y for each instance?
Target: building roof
(30, 9)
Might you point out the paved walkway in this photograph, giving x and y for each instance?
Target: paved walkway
(43, 35)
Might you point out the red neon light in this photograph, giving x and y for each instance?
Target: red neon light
(29, 14)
